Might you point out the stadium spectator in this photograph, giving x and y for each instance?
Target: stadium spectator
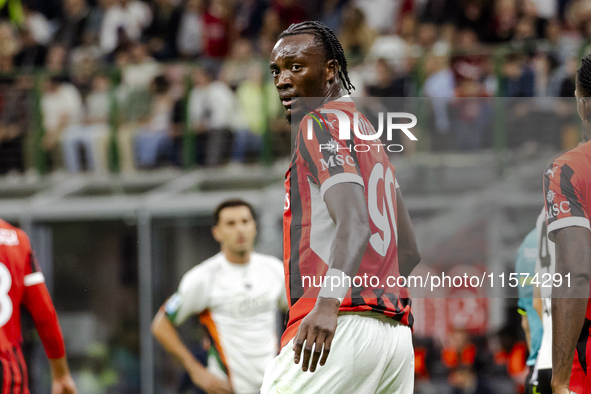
(241, 58)
(356, 35)
(56, 61)
(61, 107)
(9, 47)
(217, 31)
(153, 140)
(139, 68)
(249, 17)
(123, 17)
(511, 353)
(504, 20)
(161, 33)
(31, 54)
(464, 380)
(381, 15)
(270, 29)
(38, 25)
(388, 83)
(470, 114)
(210, 108)
(190, 33)
(91, 134)
(242, 331)
(72, 29)
(518, 78)
(255, 100)
(440, 86)
(331, 14)
(24, 285)
(476, 15)
(15, 121)
(289, 11)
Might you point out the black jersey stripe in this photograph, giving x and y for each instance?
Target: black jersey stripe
(567, 189)
(20, 368)
(2, 364)
(296, 289)
(308, 159)
(12, 374)
(582, 345)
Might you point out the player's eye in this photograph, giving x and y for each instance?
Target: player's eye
(274, 72)
(296, 67)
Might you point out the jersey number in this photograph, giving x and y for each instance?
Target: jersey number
(5, 301)
(382, 212)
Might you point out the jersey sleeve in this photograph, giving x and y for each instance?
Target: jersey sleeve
(38, 302)
(191, 297)
(563, 198)
(33, 274)
(330, 160)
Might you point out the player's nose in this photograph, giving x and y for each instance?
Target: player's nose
(283, 81)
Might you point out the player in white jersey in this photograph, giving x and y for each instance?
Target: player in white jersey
(236, 294)
(545, 264)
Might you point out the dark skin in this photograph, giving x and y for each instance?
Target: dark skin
(569, 304)
(300, 69)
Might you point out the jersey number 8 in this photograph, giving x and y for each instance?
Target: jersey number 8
(5, 301)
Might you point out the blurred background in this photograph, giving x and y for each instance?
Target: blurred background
(123, 123)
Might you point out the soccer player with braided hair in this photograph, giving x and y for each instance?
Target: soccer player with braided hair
(567, 194)
(344, 218)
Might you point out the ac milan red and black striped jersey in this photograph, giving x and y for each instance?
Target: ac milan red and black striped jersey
(22, 283)
(320, 161)
(567, 192)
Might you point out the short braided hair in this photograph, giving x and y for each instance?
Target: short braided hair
(329, 41)
(584, 76)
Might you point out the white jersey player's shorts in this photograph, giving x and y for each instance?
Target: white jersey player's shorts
(370, 353)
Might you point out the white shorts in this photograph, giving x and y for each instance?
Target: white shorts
(370, 353)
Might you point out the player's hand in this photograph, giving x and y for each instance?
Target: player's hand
(317, 330)
(211, 384)
(63, 385)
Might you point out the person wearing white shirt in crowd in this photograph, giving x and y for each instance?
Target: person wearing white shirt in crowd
(212, 115)
(131, 15)
(61, 106)
(92, 132)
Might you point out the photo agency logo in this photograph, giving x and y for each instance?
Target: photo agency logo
(362, 129)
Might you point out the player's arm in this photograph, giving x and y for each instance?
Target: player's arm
(525, 328)
(348, 209)
(408, 251)
(537, 302)
(166, 334)
(569, 304)
(38, 302)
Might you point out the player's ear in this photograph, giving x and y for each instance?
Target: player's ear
(215, 231)
(332, 70)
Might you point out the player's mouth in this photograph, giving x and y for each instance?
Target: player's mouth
(287, 102)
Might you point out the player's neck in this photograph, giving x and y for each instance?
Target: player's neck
(334, 92)
(236, 258)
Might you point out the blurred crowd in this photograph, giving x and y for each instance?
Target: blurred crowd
(185, 82)
(467, 363)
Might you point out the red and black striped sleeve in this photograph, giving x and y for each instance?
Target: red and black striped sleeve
(565, 197)
(329, 159)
